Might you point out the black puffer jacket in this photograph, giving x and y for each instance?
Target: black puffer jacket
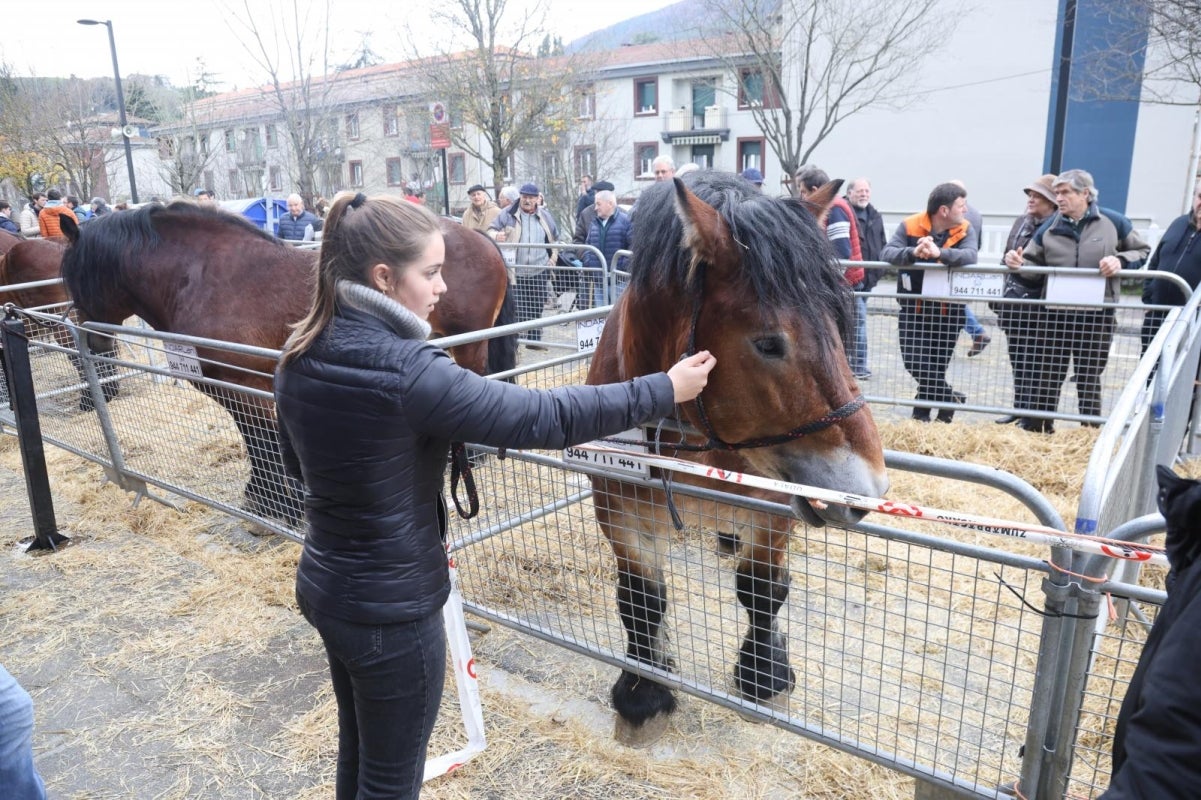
(366, 417)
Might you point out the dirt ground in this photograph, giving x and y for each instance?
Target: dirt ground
(166, 659)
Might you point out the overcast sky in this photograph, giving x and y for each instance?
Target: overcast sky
(167, 36)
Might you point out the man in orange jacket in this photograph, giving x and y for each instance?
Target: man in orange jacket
(48, 220)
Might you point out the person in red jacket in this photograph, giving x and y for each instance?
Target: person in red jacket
(842, 229)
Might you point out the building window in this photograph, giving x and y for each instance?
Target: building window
(702, 155)
(230, 144)
(166, 147)
(586, 102)
(391, 121)
(276, 176)
(585, 161)
(352, 126)
(751, 155)
(456, 165)
(235, 182)
(254, 182)
(356, 173)
(646, 96)
(208, 180)
(755, 91)
(644, 154)
(270, 135)
(509, 170)
(552, 166)
(204, 143)
(395, 171)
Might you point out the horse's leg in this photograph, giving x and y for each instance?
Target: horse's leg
(628, 520)
(100, 345)
(762, 582)
(269, 492)
(472, 356)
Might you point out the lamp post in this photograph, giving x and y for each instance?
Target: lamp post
(112, 45)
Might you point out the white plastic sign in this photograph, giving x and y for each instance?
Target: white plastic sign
(588, 334)
(946, 282)
(182, 360)
(583, 454)
(1086, 288)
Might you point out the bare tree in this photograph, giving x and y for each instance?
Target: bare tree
(493, 80)
(294, 52)
(805, 66)
(23, 152)
(1152, 54)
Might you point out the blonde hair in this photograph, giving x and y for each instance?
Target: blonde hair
(360, 232)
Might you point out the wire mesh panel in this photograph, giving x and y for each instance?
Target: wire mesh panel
(1116, 651)
(914, 656)
(1040, 360)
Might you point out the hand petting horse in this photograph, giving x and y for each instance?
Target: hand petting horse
(719, 266)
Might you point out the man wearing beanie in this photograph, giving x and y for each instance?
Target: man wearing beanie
(525, 222)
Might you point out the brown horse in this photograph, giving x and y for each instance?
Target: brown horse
(206, 273)
(26, 261)
(719, 266)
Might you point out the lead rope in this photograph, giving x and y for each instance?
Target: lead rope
(460, 466)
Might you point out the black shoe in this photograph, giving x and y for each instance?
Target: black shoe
(1036, 425)
(1008, 419)
(946, 415)
(921, 415)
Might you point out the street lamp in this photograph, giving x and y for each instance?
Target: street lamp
(112, 45)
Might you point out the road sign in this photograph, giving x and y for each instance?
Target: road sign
(438, 113)
(439, 135)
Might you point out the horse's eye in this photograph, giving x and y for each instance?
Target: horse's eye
(770, 346)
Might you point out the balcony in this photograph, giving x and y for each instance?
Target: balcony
(680, 126)
(251, 154)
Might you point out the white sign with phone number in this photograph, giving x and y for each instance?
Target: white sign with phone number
(181, 360)
(954, 283)
(588, 333)
(610, 460)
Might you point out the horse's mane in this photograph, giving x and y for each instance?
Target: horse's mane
(786, 258)
(93, 267)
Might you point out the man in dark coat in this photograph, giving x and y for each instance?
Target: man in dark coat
(1178, 252)
(298, 225)
(871, 228)
(609, 232)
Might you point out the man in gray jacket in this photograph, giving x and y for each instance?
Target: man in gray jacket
(526, 222)
(1085, 236)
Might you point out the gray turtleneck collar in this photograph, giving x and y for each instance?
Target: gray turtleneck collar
(400, 319)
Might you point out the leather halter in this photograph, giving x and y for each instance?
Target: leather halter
(715, 442)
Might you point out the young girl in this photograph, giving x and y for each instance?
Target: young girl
(367, 410)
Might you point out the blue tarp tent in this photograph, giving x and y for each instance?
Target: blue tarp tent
(256, 210)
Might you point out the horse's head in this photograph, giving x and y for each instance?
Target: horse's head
(753, 280)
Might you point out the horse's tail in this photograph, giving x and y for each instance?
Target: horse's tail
(502, 350)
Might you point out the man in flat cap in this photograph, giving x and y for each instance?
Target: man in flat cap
(526, 222)
(482, 211)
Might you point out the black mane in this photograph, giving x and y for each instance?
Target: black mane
(93, 267)
(787, 261)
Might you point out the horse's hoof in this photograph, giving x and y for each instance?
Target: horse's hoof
(638, 700)
(762, 671)
(644, 735)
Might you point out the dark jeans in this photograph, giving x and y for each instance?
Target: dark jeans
(1025, 327)
(530, 295)
(388, 683)
(1082, 337)
(928, 330)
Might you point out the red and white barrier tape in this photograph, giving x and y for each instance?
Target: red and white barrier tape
(1041, 534)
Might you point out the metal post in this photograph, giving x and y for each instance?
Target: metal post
(445, 184)
(112, 46)
(21, 394)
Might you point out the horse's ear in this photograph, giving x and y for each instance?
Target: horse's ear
(706, 234)
(70, 228)
(818, 203)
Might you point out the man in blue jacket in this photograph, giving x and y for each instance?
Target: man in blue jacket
(298, 225)
(609, 232)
